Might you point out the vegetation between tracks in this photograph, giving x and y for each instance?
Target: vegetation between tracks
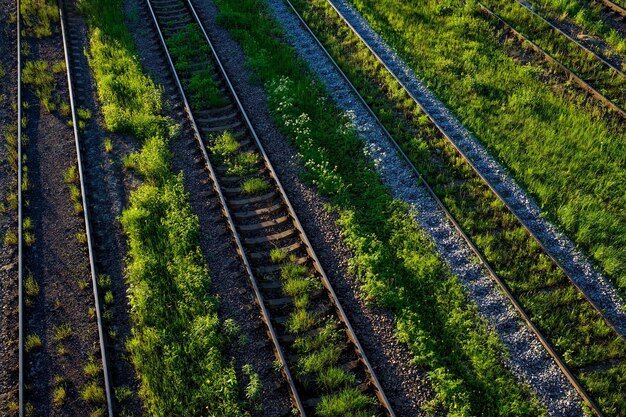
(394, 260)
(569, 159)
(176, 345)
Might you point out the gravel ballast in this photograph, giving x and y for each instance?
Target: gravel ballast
(528, 359)
(576, 264)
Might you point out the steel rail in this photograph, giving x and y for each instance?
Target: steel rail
(549, 58)
(88, 229)
(20, 228)
(555, 356)
(252, 278)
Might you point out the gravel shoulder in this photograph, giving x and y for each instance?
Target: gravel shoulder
(588, 277)
(528, 360)
(8, 254)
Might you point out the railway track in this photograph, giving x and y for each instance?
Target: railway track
(580, 80)
(264, 225)
(67, 41)
(519, 299)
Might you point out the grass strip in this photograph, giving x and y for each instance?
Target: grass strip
(556, 148)
(396, 263)
(176, 344)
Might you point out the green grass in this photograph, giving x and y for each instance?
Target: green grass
(61, 333)
(38, 76)
(32, 342)
(579, 61)
(31, 287)
(39, 16)
(188, 47)
(225, 146)
(255, 186)
(176, 345)
(58, 396)
(393, 259)
(93, 393)
(565, 155)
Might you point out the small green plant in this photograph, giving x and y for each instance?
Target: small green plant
(12, 200)
(92, 393)
(333, 379)
(38, 17)
(225, 146)
(14, 406)
(61, 350)
(81, 237)
(29, 238)
(31, 286)
(108, 145)
(98, 412)
(255, 186)
(64, 109)
(32, 342)
(10, 238)
(62, 332)
(58, 396)
(243, 164)
(254, 388)
(84, 114)
(104, 281)
(123, 393)
(231, 329)
(74, 192)
(301, 321)
(277, 255)
(349, 402)
(129, 162)
(71, 175)
(83, 284)
(92, 369)
(58, 67)
(108, 298)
